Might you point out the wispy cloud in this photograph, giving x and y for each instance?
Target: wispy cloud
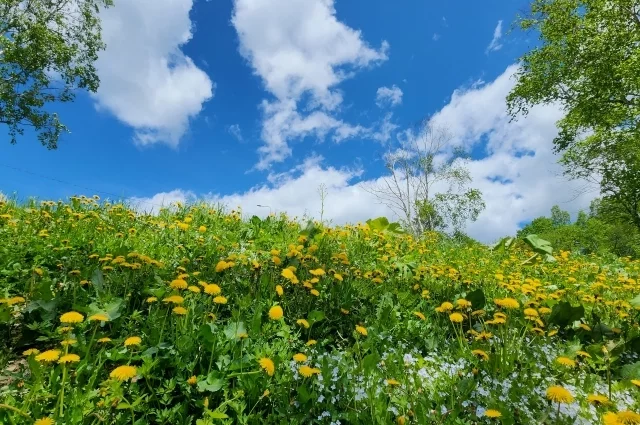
(495, 42)
(388, 96)
(235, 131)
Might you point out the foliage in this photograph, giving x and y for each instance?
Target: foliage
(47, 50)
(588, 64)
(196, 316)
(428, 183)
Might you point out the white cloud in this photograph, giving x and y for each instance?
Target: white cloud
(153, 204)
(388, 96)
(435, 37)
(236, 132)
(301, 52)
(495, 41)
(145, 79)
(519, 176)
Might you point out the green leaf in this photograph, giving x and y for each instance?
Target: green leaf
(538, 244)
(97, 279)
(503, 244)
(218, 415)
(5, 315)
(631, 371)
(563, 314)
(303, 394)
(370, 361)
(211, 384)
(477, 299)
(380, 223)
(234, 330)
(635, 303)
(206, 334)
(315, 316)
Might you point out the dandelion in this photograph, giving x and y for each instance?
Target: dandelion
(212, 289)
(268, 365)
(69, 358)
(597, 399)
(361, 330)
(71, 317)
(392, 382)
(636, 382)
(68, 342)
(338, 277)
(308, 371)
(276, 312)
(48, 356)
(44, 421)
(492, 413)
(132, 340)
(152, 299)
(223, 265)
(173, 299)
(30, 351)
(480, 354)
(279, 290)
(462, 303)
(124, 373)
(178, 284)
(192, 380)
(559, 394)
(419, 315)
(314, 292)
(312, 342)
(628, 417)
(300, 357)
(288, 274)
(303, 323)
(610, 418)
(317, 272)
(583, 354)
(104, 340)
(565, 361)
(444, 307)
(456, 317)
(98, 317)
(179, 310)
(508, 303)
(194, 289)
(530, 312)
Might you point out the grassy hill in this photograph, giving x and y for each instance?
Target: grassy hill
(196, 316)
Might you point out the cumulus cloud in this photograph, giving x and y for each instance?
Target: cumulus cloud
(518, 174)
(153, 204)
(146, 81)
(495, 41)
(301, 51)
(388, 96)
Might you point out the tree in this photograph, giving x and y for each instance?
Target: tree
(47, 50)
(588, 64)
(428, 181)
(559, 217)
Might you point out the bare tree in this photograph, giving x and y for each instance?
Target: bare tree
(427, 184)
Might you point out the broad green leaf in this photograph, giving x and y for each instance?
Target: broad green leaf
(234, 330)
(538, 244)
(563, 314)
(477, 299)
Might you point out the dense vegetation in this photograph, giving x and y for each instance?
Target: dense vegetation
(197, 316)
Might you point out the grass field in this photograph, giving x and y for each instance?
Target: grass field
(196, 316)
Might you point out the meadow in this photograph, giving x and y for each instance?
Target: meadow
(198, 316)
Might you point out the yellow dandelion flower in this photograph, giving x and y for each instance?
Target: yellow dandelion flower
(124, 373)
(610, 418)
(173, 299)
(212, 289)
(317, 272)
(530, 312)
(268, 365)
(566, 361)
(179, 310)
(597, 399)
(559, 394)
(220, 299)
(288, 274)
(311, 342)
(300, 357)
(67, 342)
(152, 299)
(636, 382)
(392, 382)
(481, 354)
(105, 339)
(178, 284)
(132, 340)
(508, 303)
(308, 371)
(362, 330)
(30, 351)
(419, 315)
(276, 313)
(444, 307)
(71, 317)
(192, 380)
(69, 358)
(628, 417)
(338, 277)
(48, 356)
(492, 413)
(98, 317)
(279, 290)
(462, 303)
(314, 292)
(194, 289)
(456, 317)
(44, 421)
(583, 354)
(303, 323)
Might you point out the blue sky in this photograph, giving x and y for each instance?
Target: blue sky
(251, 102)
